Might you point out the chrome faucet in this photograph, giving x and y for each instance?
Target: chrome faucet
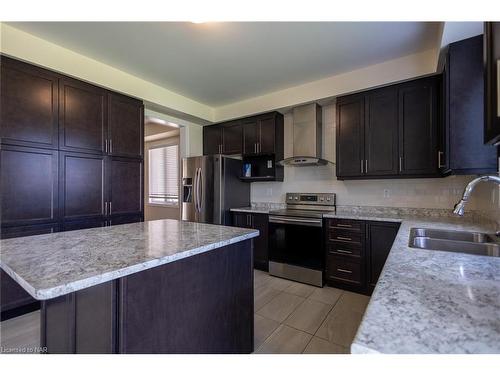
(460, 206)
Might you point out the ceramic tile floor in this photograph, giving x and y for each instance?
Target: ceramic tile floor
(289, 318)
(296, 318)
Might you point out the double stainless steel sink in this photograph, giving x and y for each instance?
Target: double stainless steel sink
(455, 241)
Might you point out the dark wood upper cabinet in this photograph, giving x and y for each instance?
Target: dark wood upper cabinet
(251, 136)
(492, 82)
(463, 151)
(29, 105)
(256, 135)
(263, 134)
(267, 141)
(212, 140)
(125, 186)
(82, 117)
(28, 185)
(418, 128)
(82, 186)
(390, 132)
(350, 136)
(232, 138)
(125, 126)
(381, 132)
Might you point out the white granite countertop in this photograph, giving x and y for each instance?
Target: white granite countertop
(429, 301)
(51, 265)
(251, 210)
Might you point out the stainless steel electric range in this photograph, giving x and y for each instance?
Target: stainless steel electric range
(296, 237)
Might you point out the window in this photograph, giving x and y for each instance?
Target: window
(164, 175)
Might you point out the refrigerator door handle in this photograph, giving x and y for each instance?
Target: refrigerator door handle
(200, 190)
(195, 187)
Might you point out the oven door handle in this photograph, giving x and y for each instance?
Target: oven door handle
(292, 221)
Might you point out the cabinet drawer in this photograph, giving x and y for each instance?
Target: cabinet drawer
(351, 225)
(343, 269)
(344, 236)
(344, 249)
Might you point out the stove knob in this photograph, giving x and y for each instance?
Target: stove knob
(321, 199)
(290, 198)
(296, 198)
(328, 199)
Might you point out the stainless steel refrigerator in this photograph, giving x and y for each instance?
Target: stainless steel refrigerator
(210, 187)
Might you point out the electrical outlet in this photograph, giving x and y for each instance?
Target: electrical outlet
(387, 193)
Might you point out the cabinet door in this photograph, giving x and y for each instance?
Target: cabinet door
(125, 186)
(260, 243)
(28, 115)
(83, 224)
(82, 117)
(82, 188)
(381, 236)
(126, 219)
(28, 230)
(381, 132)
(492, 82)
(350, 136)
(126, 126)
(212, 139)
(251, 135)
(418, 130)
(12, 295)
(465, 103)
(241, 219)
(232, 138)
(267, 136)
(28, 181)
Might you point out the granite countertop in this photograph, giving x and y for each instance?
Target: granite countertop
(429, 301)
(51, 265)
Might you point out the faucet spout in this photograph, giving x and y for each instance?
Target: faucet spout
(460, 206)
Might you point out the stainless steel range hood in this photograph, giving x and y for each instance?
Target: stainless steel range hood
(307, 129)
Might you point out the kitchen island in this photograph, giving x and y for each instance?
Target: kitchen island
(162, 286)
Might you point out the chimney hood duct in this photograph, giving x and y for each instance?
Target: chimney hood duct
(307, 130)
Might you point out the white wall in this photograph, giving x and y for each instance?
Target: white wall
(425, 193)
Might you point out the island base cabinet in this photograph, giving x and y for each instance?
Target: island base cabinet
(200, 304)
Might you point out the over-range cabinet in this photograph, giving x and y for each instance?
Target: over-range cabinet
(71, 157)
(210, 187)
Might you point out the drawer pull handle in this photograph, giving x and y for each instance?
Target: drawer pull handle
(343, 270)
(344, 251)
(344, 238)
(344, 225)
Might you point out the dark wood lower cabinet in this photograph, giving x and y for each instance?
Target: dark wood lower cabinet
(260, 244)
(380, 237)
(356, 251)
(173, 308)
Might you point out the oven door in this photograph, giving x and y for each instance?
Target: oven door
(296, 241)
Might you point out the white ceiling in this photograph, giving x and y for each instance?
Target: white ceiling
(222, 63)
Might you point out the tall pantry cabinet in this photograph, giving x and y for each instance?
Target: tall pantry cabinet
(71, 157)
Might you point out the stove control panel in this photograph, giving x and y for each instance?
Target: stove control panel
(316, 199)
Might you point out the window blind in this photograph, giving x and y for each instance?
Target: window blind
(164, 175)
